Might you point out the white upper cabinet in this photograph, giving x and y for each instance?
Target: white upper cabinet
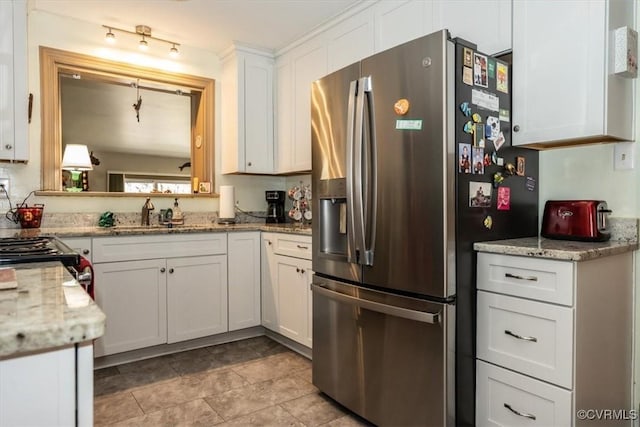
(397, 22)
(486, 23)
(247, 111)
(564, 91)
(349, 41)
(14, 144)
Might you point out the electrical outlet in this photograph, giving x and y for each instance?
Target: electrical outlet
(4, 182)
(624, 155)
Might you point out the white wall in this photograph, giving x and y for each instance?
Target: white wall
(69, 34)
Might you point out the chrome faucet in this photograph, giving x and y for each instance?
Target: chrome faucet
(146, 211)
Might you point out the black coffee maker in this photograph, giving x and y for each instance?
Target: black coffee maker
(275, 207)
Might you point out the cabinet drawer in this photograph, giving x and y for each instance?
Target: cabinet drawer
(292, 245)
(527, 336)
(532, 402)
(535, 278)
(126, 248)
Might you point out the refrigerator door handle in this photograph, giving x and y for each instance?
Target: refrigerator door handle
(358, 184)
(369, 176)
(351, 226)
(419, 316)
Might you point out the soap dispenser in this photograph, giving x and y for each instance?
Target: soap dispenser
(177, 212)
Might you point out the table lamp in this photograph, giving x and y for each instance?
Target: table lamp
(76, 159)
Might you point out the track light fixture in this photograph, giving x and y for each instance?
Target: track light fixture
(145, 33)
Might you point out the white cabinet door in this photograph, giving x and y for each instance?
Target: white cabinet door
(39, 389)
(81, 245)
(350, 41)
(269, 281)
(244, 280)
(247, 129)
(562, 88)
(397, 22)
(308, 277)
(292, 297)
(133, 295)
(196, 297)
(283, 138)
(468, 19)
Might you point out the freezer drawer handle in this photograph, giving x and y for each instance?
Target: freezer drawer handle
(515, 276)
(405, 313)
(302, 247)
(520, 414)
(520, 337)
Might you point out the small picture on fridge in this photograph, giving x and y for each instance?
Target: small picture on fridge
(478, 160)
(479, 194)
(493, 128)
(468, 57)
(464, 158)
(504, 198)
(480, 70)
(502, 79)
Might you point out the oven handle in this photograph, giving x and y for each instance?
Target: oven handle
(420, 316)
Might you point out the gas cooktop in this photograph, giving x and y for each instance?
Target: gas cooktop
(36, 249)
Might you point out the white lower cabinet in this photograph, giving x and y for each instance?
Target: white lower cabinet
(286, 286)
(161, 299)
(196, 297)
(506, 398)
(244, 279)
(553, 339)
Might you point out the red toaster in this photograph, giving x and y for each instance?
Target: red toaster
(585, 220)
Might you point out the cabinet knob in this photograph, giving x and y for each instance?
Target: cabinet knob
(162, 270)
(85, 252)
(302, 270)
(8, 147)
(297, 270)
(249, 164)
(516, 128)
(268, 242)
(171, 271)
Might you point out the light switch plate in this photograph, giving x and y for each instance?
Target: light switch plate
(624, 154)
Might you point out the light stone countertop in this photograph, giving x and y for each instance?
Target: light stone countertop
(48, 309)
(556, 249)
(132, 230)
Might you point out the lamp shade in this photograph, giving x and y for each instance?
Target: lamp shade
(76, 158)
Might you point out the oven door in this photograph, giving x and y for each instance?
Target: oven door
(390, 359)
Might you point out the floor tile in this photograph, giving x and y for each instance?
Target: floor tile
(194, 413)
(348, 421)
(273, 416)
(267, 368)
(306, 374)
(115, 407)
(265, 346)
(184, 389)
(313, 409)
(134, 375)
(245, 400)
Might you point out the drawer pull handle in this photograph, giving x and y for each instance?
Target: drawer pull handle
(520, 414)
(520, 337)
(515, 276)
(302, 247)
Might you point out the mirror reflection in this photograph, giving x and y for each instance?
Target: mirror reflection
(138, 133)
(148, 131)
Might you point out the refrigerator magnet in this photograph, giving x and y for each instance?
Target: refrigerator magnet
(520, 166)
(468, 127)
(488, 222)
(503, 115)
(477, 118)
(497, 179)
(467, 57)
(502, 78)
(480, 70)
(486, 160)
(491, 68)
(478, 158)
(499, 141)
(479, 194)
(530, 183)
(464, 159)
(401, 107)
(478, 135)
(504, 198)
(467, 76)
(466, 109)
(493, 128)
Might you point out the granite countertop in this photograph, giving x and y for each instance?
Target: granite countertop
(48, 309)
(131, 230)
(556, 249)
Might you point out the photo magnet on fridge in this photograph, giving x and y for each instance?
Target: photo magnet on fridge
(504, 198)
(480, 70)
(493, 128)
(478, 160)
(478, 135)
(468, 57)
(467, 76)
(464, 158)
(479, 194)
(520, 166)
(502, 78)
(491, 69)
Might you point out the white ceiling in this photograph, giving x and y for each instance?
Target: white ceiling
(207, 24)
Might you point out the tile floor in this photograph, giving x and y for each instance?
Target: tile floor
(253, 382)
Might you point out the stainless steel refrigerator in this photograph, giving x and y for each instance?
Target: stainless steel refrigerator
(399, 197)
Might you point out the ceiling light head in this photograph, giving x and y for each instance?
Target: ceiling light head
(110, 37)
(174, 52)
(143, 45)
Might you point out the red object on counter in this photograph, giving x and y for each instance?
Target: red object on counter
(83, 268)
